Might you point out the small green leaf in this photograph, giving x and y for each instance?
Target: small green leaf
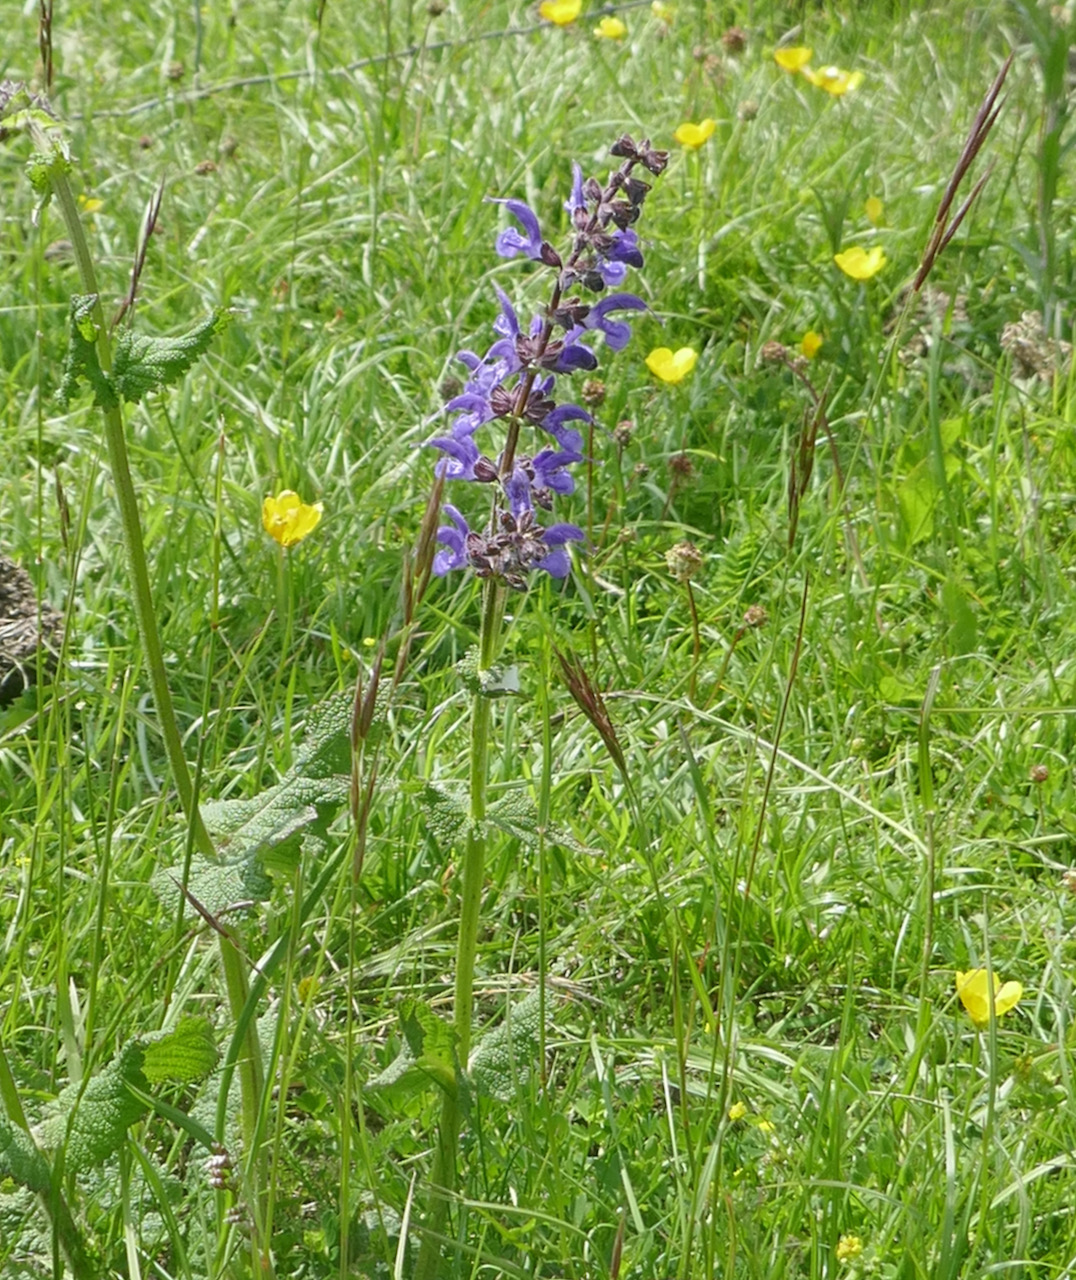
(81, 361)
(142, 364)
(21, 1160)
(490, 682)
(184, 1055)
(432, 1042)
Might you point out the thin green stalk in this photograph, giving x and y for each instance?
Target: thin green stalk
(443, 1175)
(115, 439)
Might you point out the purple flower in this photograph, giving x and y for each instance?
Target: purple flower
(617, 332)
(558, 562)
(567, 437)
(510, 242)
(455, 540)
(577, 201)
(573, 356)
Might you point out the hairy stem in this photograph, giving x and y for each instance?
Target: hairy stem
(146, 618)
(443, 1175)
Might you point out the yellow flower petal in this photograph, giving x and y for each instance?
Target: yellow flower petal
(810, 344)
(287, 519)
(834, 80)
(737, 1111)
(560, 12)
(860, 263)
(974, 995)
(693, 136)
(793, 59)
(875, 211)
(90, 204)
(671, 366)
(610, 29)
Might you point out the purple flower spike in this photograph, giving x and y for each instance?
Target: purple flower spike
(617, 332)
(455, 540)
(510, 242)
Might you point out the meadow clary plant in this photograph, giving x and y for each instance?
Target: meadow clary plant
(513, 386)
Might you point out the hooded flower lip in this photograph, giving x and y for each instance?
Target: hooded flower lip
(692, 136)
(792, 58)
(617, 332)
(974, 992)
(860, 263)
(510, 242)
(287, 519)
(560, 12)
(833, 79)
(671, 366)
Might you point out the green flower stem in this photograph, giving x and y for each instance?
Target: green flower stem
(251, 1077)
(443, 1174)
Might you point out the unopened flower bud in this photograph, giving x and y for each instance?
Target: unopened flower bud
(1068, 880)
(175, 71)
(1038, 773)
(734, 40)
(684, 561)
(755, 616)
(774, 353)
(622, 431)
(640, 471)
(593, 391)
(747, 110)
(682, 468)
(435, 8)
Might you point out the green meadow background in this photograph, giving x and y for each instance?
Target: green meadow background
(755, 1063)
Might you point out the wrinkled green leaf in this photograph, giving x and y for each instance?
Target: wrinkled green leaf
(509, 1053)
(91, 1122)
(81, 362)
(184, 1055)
(428, 1052)
(142, 364)
(21, 1160)
(216, 885)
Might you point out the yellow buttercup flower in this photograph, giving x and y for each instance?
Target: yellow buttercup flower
(661, 11)
(849, 1248)
(974, 995)
(288, 519)
(875, 211)
(737, 1111)
(833, 79)
(560, 12)
(90, 204)
(810, 344)
(693, 136)
(860, 263)
(671, 366)
(610, 29)
(792, 59)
